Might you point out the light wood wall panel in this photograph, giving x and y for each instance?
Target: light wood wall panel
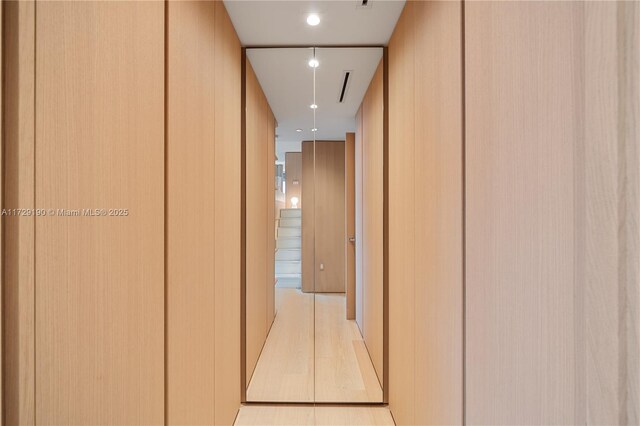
(425, 215)
(99, 280)
(191, 184)
(350, 205)
(308, 218)
(293, 162)
(401, 242)
(358, 220)
(203, 214)
(552, 212)
(260, 239)
(228, 79)
(323, 229)
(18, 280)
(370, 213)
(438, 209)
(270, 190)
(607, 234)
(100, 121)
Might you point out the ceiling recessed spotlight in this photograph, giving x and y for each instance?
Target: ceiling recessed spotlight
(298, 130)
(313, 106)
(314, 130)
(313, 19)
(313, 63)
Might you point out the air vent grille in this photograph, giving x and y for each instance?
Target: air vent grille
(344, 88)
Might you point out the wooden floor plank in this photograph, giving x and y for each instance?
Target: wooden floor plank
(306, 415)
(304, 351)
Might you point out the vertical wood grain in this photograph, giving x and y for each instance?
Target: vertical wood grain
(308, 217)
(523, 120)
(323, 213)
(18, 62)
(372, 209)
(358, 226)
(227, 217)
(329, 217)
(270, 249)
(425, 222)
(191, 185)
(99, 280)
(350, 200)
(607, 240)
(402, 256)
(438, 213)
(260, 220)
(256, 220)
(552, 213)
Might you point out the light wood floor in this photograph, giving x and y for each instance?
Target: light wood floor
(335, 416)
(299, 365)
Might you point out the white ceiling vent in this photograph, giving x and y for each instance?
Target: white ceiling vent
(347, 76)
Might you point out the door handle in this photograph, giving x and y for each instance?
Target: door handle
(352, 239)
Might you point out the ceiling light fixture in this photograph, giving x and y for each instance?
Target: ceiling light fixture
(313, 19)
(313, 63)
(298, 130)
(313, 106)
(314, 130)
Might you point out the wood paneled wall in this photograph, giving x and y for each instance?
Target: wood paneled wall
(85, 117)
(552, 212)
(358, 220)
(99, 281)
(425, 215)
(369, 122)
(260, 239)
(323, 217)
(203, 210)
(293, 164)
(308, 218)
(350, 209)
(18, 62)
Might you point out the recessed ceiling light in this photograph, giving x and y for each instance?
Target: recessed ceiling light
(313, 19)
(298, 130)
(313, 106)
(313, 63)
(314, 130)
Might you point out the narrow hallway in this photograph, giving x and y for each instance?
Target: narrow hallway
(319, 212)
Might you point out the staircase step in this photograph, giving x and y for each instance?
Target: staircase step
(289, 281)
(290, 213)
(290, 222)
(288, 254)
(289, 232)
(288, 242)
(288, 267)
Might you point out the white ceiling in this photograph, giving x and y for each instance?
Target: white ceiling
(286, 78)
(287, 81)
(345, 22)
